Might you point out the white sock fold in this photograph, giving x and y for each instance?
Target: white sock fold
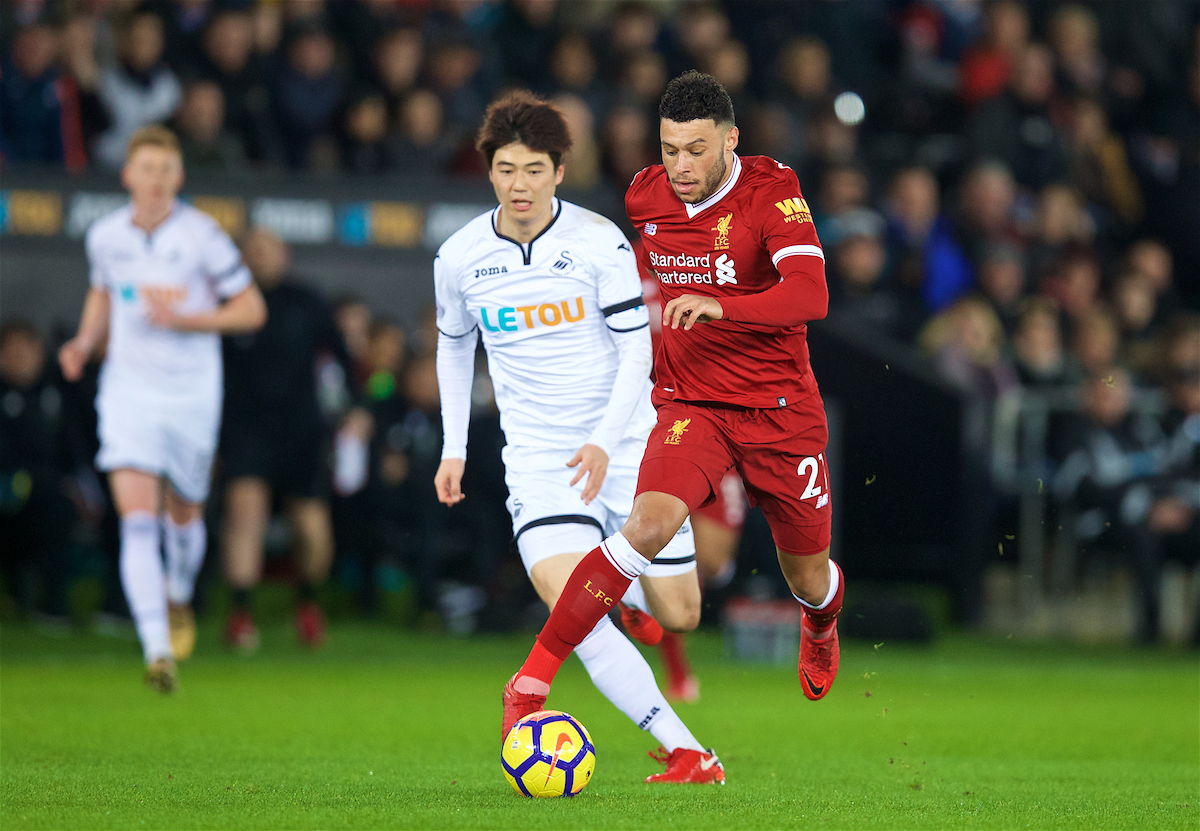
(142, 579)
(185, 547)
(623, 556)
(833, 587)
(620, 672)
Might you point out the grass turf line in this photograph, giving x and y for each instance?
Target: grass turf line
(398, 730)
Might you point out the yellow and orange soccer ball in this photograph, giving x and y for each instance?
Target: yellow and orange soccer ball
(548, 753)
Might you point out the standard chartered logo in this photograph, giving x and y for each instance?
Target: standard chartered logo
(536, 315)
(726, 273)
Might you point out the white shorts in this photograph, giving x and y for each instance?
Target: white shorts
(158, 437)
(550, 518)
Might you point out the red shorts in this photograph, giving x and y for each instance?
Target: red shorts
(728, 508)
(779, 453)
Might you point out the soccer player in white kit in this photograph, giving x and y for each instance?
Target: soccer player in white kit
(554, 291)
(166, 283)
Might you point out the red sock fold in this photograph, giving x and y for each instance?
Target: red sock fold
(592, 591)
(822, 620)
(674, 656)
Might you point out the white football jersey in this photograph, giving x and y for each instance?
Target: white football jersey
(190, 263)
(545, 310)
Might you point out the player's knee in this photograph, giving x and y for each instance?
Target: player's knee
(683, 617)
(648, 534)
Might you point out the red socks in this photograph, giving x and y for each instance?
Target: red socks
(674, 657)
(592, 591)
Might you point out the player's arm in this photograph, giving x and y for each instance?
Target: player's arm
(244, 312)
(457, 337)
(93, 330)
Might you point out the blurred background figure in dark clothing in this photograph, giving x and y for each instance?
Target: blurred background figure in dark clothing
(35, 513)
(275, 439)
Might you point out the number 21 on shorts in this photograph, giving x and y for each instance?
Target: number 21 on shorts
(817, 471)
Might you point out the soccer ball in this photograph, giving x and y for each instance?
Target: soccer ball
(548, 753)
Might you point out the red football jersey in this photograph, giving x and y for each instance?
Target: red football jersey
(733, 244)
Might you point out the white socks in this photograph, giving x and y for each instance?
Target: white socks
(185, 545)
(142, 578)
(620, 672)
(623, 556)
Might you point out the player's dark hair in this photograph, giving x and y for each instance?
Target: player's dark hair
(696, 96)
(524, 117)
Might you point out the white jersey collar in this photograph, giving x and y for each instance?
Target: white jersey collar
(721, 193)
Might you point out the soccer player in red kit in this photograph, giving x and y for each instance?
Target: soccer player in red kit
(740, 267)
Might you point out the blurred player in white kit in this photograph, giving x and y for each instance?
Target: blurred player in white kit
(165, 283)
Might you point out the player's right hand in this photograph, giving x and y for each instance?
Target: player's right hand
(72, 358)
(448, 481)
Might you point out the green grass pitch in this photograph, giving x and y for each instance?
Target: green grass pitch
(384, 729)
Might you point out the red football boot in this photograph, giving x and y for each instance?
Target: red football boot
(517, 705)
(310, 624)
(641, 627)
(686, 766)
(818, 664)
(241, 635)
(685, 689)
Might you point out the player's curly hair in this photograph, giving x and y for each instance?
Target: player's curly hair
(524, 117)
(695, 96)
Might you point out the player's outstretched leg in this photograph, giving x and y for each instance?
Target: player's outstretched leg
(819, 652)
(620, 672)
(682, 683)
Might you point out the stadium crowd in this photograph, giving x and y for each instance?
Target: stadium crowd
(1011, 187)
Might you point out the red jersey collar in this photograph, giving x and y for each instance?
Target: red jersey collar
(721, 192)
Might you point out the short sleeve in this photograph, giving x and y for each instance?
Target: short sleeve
(453, 319)
(222, 262)
(618, 282)
(787, 224)
(98, 277)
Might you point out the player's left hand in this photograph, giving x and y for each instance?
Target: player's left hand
(593, 461)
(164, 316)
(690, 309)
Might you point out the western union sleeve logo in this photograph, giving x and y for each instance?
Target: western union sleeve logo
(795, 210)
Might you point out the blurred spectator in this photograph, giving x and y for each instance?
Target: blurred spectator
(205, 143)
(454, 74)
(921, 97)
(841, 188)
(1099, 166)
(526, 33)
(1094, 340)
(364, 135)
(1060, 225)
(183, 24)
(1018, 126)
(308, 93)
(353, 319)
(627, 143)
(230, 60)
(634, 26)
(139, 90)
(1153, 261)
(643, 79)
(1001, 283)
(274, 440)
(1075, 38)
(928, 258)
(858, 272)
(701, 32)
(1074, 284)
(966, 342)
(397, 65)
(1038, 347)
(35, 515)
(986, 208)
(729, 63)
(361, 26)
(987, 66)
(804, 79)
(583, 160)
(573, 70)
(1135, 305)
(81, 68)
(1103, 483)
(420, 145)
(39, 124)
